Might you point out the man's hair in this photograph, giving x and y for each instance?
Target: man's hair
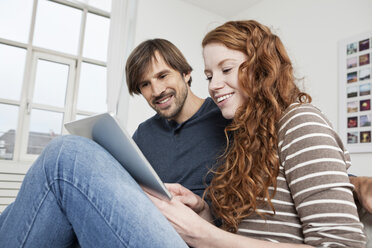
(142, 56)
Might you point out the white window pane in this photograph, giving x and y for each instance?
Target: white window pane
(15, 19)
(8, 126)
(44, 126)
(12, 64)
(96, 37)
(99, 4)
(92, 88)
(50, 83)
(57, 27)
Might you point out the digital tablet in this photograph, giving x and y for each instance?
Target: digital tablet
(106, 130)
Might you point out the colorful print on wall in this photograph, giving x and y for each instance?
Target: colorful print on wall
(355, 113)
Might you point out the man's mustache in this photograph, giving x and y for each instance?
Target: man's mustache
(162, 95)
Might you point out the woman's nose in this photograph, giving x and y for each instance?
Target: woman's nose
(216, 83)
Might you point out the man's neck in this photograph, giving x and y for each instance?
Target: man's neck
(190, 107)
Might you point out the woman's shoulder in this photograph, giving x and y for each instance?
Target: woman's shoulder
(300, 113)
(297, 108)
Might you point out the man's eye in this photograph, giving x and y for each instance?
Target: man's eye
(143, 85)
(162, 76)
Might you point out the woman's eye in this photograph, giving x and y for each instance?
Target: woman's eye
(226, 70)
(209, 78)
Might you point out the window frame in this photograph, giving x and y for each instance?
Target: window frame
(20, 155)
(66, 110)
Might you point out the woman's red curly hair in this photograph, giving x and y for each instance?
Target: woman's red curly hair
(250, 163)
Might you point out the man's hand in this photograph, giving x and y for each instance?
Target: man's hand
(363, 191)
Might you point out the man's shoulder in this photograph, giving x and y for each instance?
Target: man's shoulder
(155, 120)
(209, 107)
(211, 112)
(209, 104)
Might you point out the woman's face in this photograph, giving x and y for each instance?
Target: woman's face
(221, 68)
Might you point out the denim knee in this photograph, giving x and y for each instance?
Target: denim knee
(63, 154)
(71, 141)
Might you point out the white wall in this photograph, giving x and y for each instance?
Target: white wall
(182, 24)
(311, 29)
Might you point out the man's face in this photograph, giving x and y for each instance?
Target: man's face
(164, 88)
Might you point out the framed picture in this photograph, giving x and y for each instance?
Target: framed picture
(355, 98)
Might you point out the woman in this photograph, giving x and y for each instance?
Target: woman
(283, 182)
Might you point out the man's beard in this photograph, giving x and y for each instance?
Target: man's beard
(179, 103)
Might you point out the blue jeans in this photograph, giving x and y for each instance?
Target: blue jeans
(78, 194)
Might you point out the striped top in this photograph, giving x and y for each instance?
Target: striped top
(314, 202)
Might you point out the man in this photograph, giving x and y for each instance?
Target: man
(185, 138)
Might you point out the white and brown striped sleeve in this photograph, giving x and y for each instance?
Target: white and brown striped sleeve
(315, 164)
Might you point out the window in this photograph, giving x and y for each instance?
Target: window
(15, 19)
(12, 64)
(96, 37)
(8, 125)
(53, 70)
(57, 27)
(92, 90)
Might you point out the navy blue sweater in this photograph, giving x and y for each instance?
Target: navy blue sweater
(184, 153)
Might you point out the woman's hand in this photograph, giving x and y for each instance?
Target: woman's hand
(191, 200)
(183, 213)
(197, 232)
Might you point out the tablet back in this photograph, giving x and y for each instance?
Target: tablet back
(105, 130)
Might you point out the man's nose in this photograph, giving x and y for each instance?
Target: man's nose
(157, 88)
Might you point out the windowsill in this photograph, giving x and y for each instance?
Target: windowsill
(9, 166)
